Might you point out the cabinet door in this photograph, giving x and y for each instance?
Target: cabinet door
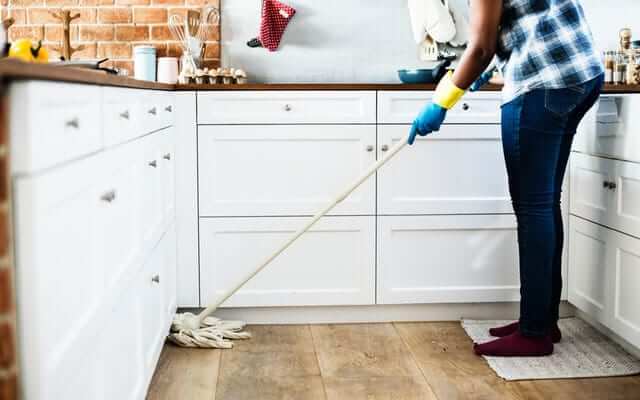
(120, 243)
(283, 170)
(588, 264)
(459, 170)
(625, 271)
(333, 264)
(151, 207)
(626, 207)
(447, 259)
(590, 198)
(58, 276)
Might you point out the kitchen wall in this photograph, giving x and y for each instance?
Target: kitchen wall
(360, 40)
(108, 28)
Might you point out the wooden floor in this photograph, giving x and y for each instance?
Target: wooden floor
(399, 361)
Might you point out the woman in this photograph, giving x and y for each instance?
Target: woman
(553, 75)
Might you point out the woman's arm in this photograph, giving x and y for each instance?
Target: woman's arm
(485, 24)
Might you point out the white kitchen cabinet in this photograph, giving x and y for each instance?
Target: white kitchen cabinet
(611, 128)
(287, 107)
(402, 107)
(588, 269)
(288, 170)
(604, 273)
(447, 259)
(459, 170)
(625, 277)
(123, 115)
(606, 191)
(333, 264)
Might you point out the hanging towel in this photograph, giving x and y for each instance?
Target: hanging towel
(431, 17)
(275, 18)
(460, 12)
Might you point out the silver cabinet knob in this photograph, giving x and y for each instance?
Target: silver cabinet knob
(153, 163)
(168, 108)
(384, 147)
(125, 114)
(73, 123)
(108, 197)
(613, 185)
(287, 107)
(167, 156)
(155, 279)
(605, 184)
(465, 106)
(153, 111)
(369, 148)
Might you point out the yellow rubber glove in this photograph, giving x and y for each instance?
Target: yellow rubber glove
(447, 93)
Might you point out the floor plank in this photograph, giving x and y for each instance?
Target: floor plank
(622, 388)
(367, 361)
(185, 374)
(443, 352)
(278, 363)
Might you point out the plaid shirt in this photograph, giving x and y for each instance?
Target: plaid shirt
(545, 44)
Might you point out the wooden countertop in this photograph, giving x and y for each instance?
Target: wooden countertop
(16, 70)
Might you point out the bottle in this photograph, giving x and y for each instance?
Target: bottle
(609, 65)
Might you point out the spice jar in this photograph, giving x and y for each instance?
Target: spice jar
(609, 66)
(620, 70)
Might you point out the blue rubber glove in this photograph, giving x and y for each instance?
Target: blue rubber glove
(484, 78)
(429, 120)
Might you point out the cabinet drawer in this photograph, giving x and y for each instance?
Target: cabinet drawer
(333, 264)
(459, 170)
(157, 110)
(123, 119)
(288, 170)
(51, 123)
(612, 128)
(402, 107)
(607, 192)
(447, 259)
(243, 107)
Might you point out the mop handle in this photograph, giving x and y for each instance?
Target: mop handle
(372, 169)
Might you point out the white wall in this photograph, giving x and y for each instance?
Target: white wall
(360, 40)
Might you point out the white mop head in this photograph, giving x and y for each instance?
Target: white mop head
(211, 333)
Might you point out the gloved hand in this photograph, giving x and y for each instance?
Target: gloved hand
(429, 120)
(431, 117)
(484, 78)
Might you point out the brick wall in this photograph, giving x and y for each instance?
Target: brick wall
(8, 361)
(108, 28)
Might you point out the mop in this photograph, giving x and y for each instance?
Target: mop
(203, 330)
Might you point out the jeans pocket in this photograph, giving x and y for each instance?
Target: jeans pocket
(561, 102)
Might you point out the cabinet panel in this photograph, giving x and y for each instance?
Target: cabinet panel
(627, 198)
(283, 170)
(440, 174)
(286, 107)
(590, 198)
(333, 264)
(588, 276)
(626, 302)
(611, 128)
(442, 259)
(123, 118)
(402, 107)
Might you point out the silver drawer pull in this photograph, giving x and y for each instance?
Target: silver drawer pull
(613, 185)
(384, 147)
(73, 123)
(465, 106)
(153, 163)
(155, 279)
(369, 148)
(167, 156)
(125, 114)
(287, 107)
(109, 197)
(153, 111)
(168, 109)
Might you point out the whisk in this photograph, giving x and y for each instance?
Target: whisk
(177, 27)
(210, 16)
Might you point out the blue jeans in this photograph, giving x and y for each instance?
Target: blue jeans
(537, 131)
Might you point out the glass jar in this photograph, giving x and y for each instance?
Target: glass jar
(609, 66)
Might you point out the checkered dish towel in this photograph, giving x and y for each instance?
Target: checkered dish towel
(275, 18)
